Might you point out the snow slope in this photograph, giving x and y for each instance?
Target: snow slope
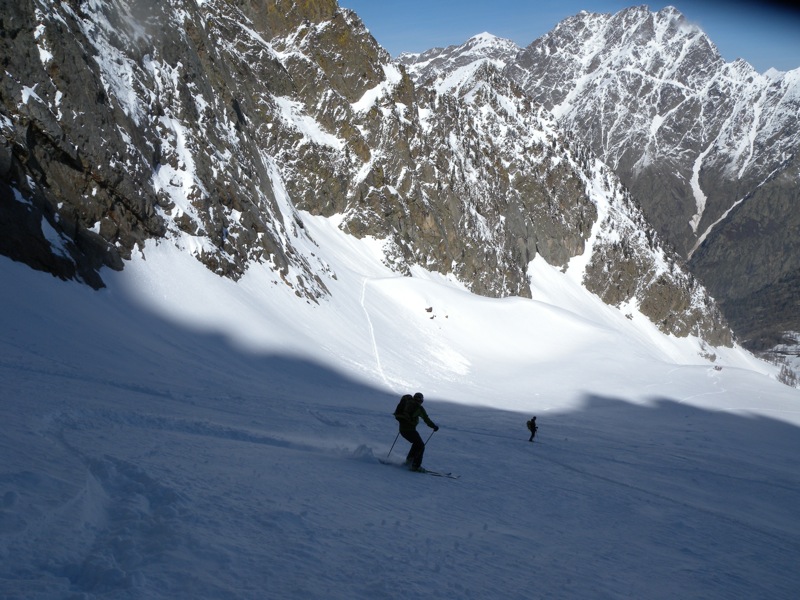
(179, 435)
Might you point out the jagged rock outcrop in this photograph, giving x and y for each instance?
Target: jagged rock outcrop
(429, 173)
(209, 124)
(124, 121)
(629, 266)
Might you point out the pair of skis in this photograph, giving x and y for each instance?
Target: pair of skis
(421, 470)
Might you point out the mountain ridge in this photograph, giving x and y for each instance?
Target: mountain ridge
(708, 148)
(216, 134)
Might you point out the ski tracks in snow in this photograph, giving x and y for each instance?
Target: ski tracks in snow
(372, 331)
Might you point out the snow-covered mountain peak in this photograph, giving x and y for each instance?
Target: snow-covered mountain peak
(594, 50)
(299, 235)
(489, 41)
(495, 107)
(483, 47)
(708, 147)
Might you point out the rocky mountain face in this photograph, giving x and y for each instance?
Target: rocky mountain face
(213, 125)
(709, 149)
(125, 121)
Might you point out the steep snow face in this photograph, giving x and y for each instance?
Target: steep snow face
(638, 70)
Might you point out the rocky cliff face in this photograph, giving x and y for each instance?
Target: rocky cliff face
(209, 124)
(124, 121)
(709, 149)
(627, 266)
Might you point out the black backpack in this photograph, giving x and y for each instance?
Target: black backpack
(404, 408)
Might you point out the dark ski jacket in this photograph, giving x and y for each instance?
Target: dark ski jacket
(409, 422)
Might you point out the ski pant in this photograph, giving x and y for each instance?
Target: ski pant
(417, 447)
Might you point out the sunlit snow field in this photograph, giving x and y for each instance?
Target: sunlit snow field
(179, 435)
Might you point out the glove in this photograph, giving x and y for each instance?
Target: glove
(435, 428)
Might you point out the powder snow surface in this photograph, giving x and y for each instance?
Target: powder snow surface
(179, 435)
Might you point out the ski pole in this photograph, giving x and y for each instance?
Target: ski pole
(393, 443)
(429, 437)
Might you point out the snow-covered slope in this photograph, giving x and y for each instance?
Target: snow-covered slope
(426, 67)
(211, 428)
(179, 434)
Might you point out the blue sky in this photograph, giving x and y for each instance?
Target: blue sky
(765, 34)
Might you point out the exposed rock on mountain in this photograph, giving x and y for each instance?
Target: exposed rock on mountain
(124, 121)
(208, 124)
(709, 149)
(626, 263)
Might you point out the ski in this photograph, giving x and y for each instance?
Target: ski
(438, 474)
(421, 470)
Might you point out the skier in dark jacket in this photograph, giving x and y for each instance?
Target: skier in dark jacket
(408, 413)
(532, 428)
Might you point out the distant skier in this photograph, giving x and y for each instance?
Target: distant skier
(532, 428)
(408, 412)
